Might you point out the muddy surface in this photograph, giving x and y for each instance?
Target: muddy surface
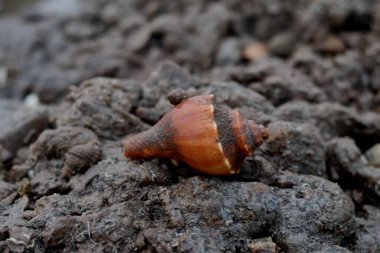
(77, 77)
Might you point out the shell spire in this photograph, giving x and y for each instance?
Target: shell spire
(150, 143)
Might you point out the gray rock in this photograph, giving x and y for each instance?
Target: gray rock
(289, 85)
(334, 120)
(344, 159)
(6, 189)
(373, 155)
(367, 232)
(167, 77)
(229, 52)
(295, 147)
(193, 216)
(235, 96)
(20, 125)
(55, 143)
(103, 105)
(303, 197)
(282, 44)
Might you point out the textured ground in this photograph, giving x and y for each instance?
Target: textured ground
(309, 70)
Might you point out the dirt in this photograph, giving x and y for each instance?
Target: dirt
(77, 77)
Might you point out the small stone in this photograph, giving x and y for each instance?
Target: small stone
(5, 155)
(255, 51)
(176, 96)
(373, 155)
(21, 126)
(6, 189)
(167, 77)
(25, 187)
(19, 171)
(229, 52)
(139, 39)
(148, 114)
(331, 45)
(282, 44)
(265, 244)
(345, 162)
(32, 100)
(257, 168)
(3, 76)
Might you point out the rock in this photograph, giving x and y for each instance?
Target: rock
(56, 143)
(139, 39)
(250, 74)
(210, 27)
(3, 76)
(24, 188)
(148, 114)
(367, 236)
(6, 189)
(22, 125)
(169, 30)
(46, 182)
(282, 44)
(373, 155)
(59, 227)
(343, 74)
(81, 29)
(20, 39)
(302, 196)
(295, 147)
(11, 214)
(103, 106)
(282, 87)
(344, 159)
(334, 120)
(265, 244)
(229, 52)
(257, 168)
(346, 15)
(167, 77)
(5, 155)
(231, 211)
(54, 9)
(255, 52)
(176, 96)
(49, 93)
(331, 45)
(235, 96)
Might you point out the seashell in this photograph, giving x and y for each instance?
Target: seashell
(80, 157)
(209, 137)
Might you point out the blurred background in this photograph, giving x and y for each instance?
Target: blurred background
(48, 45)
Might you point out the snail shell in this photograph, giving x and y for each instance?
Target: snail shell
(210, 138)
(80, 157)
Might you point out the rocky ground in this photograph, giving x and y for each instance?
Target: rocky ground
(309, 70)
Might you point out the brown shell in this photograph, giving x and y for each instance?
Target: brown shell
(205, 135)
(81, 156)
